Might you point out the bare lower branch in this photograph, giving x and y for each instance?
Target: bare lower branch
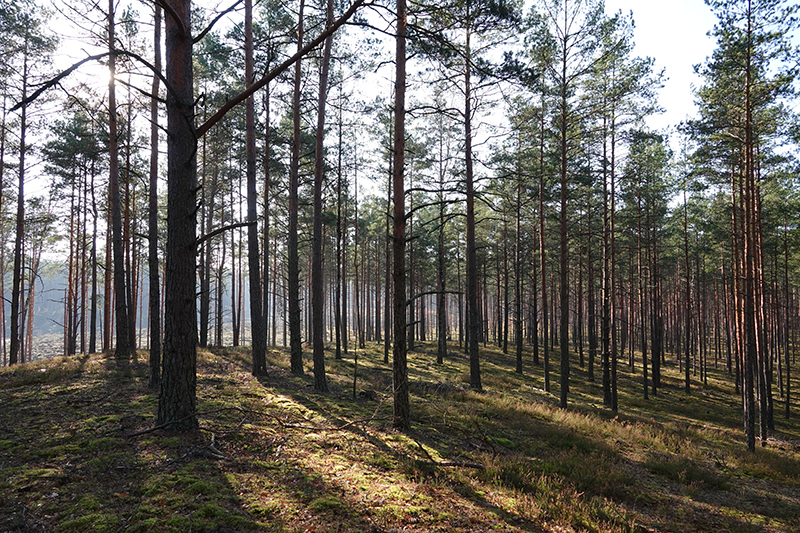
(223, 229)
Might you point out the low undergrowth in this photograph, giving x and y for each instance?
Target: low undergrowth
(273, 455)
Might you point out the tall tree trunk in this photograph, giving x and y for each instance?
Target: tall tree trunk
(337, 308)
(123, 347)
(294, 176)
(472, 261)
(656, 311)
(543, 257)
(387, 312)
(69, 322)
(518, 275)
(786, 315)
(590, 300)
(410, 288)
(235, 280)
(461, 327)
(506, 303)
(688, 296)
(345, 298)
(257, 325)
(152, 257)
(607, 280)
(402, 407)
(613, 273)
(577, 330)
(441, 281)
(642, 298)
(377, 274)
(4, 361)
(564, 241)
(128, 236)
(83, 260)
(108, 294)
(268, 282)
(93, 311)
(317, 281)
(357, 274)
(207, 218)
(177, 399)
(16, 287)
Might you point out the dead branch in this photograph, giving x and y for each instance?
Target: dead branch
(456, 464)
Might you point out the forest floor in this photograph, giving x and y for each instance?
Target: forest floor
(273, 455)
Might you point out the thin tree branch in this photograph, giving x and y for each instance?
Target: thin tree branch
(141, 91)
(223, 229)
(430, 293)
(211, 24)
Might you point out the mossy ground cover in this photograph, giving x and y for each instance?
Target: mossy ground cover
(273, 455)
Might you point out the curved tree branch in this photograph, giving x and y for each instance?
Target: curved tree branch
(57, 79)
(211, 24)
(169, 9)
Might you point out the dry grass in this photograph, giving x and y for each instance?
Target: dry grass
(273, 455)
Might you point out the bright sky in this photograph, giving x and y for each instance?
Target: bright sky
(674, 33)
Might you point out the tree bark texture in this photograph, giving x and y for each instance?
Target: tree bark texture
(177, 399)
(402, 407)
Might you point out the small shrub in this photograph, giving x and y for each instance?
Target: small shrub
(686, 472)
(88, 502)
(102, 444)
(266, 510)
(98, 522)
(209, 510)
(327, 504)
(201, 487)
